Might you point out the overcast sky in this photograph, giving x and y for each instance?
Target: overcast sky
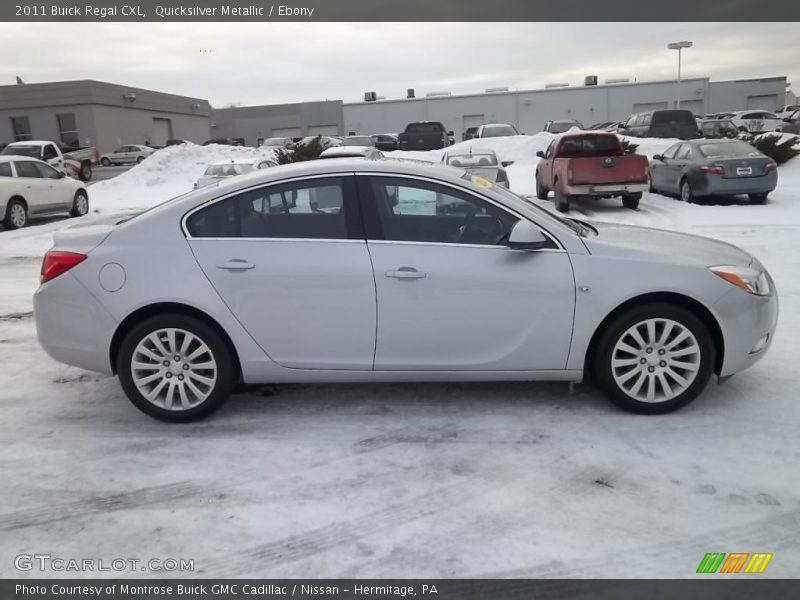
(263, 63)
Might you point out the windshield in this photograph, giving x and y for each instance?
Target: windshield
(487, 159)
(279, 141)
(424, 128)
(562, 126)
(498, 130)
(32, 151)
(673, 117)
(736, 148)
(358, 141)
(227, 170)
(590, 144)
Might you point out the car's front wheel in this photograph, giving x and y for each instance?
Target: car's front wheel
(175, 368)
(16, 215)
(654, 359)
(105, 162)
(80, 204)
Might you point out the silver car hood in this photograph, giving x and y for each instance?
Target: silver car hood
(665, 246)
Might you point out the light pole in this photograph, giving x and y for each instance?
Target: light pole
(679, 46)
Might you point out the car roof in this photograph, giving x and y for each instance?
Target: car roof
(470, 151)
(9, 157)
(31, 142)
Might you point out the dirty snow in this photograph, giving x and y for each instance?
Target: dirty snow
(428, 480)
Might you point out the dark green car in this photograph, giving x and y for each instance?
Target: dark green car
(698, 168)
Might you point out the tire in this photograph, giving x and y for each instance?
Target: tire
(217, 368)
(541, 191)
(685, 191)
(80, 204)
(651, 189)
(758, 198)
(561, 200)
(16, 216)
(630, 383)
(139, 160)
(86, 171)
(631, 200)
(105, 162)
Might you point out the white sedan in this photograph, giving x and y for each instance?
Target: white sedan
(32, 188)
(756, 121)
(231, 168)
(132, 153)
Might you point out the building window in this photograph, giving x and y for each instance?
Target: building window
(21, 127)
(68, 129)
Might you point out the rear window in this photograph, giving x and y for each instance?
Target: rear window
(32, 151)
(590, 144)
(498, 131)
(5, 170)
(472, 160)
(227, 170)
(673, 117)
(729, 149)
(562, 126)
(424, 128)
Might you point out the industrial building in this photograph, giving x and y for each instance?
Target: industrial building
(94, 113)
(528, 110)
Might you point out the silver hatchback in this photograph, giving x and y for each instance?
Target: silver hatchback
(253, 281)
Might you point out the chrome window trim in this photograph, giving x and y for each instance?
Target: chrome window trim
(493, 202)
(269, 239)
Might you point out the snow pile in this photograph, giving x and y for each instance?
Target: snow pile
(168, 173)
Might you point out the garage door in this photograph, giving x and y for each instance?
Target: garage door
(162, 131)
(769, 102)
(468, 121)
(647, 106)
(323, 130)
(696, 106)
(290, 132)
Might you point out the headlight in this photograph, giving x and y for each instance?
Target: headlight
(750, 280)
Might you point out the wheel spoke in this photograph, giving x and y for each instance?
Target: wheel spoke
(629, 375)
(204, 366)
(184, 398)
(148, 379)
(153, 394)
(685, 366)
(665, 385)
(171, 345)
(142, 366)
(683, 352)
(624, 362)
(198, 352)
(638, 384)
(205, 380)
(682, 336)
(159, 346)
(668, 327)
(634, 331)
(627, 348)
(651, 387)
(651, 332)
(170, 395)
(188, 338)
(148, 353)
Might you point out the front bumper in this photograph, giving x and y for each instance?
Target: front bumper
(614, 189)
(746, 320)
(72, 326)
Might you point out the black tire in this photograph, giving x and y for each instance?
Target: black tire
(16, 216)
(105, 162)
(603, 371)
(86, 171)
(631, 200)
(561, 200)
(652, 190)
(219, 393)
(541, 191)
(80, 204)
(685, 191)
(758, 198)
(139, 160)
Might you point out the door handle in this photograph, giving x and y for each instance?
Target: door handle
(236, 264)
(406, 273)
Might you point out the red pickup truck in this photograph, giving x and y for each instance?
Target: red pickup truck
(590, 164)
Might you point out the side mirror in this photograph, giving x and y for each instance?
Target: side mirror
(449, 133)
(526, 236)
(657, 157)
(787, 120)
(507, 163)
(540, 154)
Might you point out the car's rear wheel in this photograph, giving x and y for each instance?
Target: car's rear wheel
(175, 368)
(758, 198)
(561, 200)
(631, 200)
(80, 204)
(541, 191)
(654, 359)
(16, 215)
(139, 160)
(86, 171)
(105, 162)
(687, 194)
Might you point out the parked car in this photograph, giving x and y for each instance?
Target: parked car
(31, 188)
(233, 285)
(469, 133)
(176, 142)
(231, 168)
(679, 124)
(277, 143)
(225, 141)
(590, 164)
(424, 135)
(602, 126)
(77, 162)
(561, 126)
(788, 110)
(496, 130)
(358, 140)
(133, 153)
(756, 121)
(791, 124)
(326, 141)
(481, 162)
(369, 152)
(387, 142)
(718, 128)
(699, 168)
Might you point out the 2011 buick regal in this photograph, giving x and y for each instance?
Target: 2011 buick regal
(351, 270)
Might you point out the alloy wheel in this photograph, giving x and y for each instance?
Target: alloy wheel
(17, 215)
(655, 360)
(82, 204)
(174, 369)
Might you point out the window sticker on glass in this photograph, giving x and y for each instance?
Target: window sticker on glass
(484, 183)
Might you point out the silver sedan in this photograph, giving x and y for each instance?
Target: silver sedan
(251, 281)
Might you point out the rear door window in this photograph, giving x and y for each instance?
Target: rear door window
(27, 168)
(5, 169)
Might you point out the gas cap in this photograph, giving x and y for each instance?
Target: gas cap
(112, 277)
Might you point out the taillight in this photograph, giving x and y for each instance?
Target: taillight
(713, 170)
(502, 176)
(57, 262)
(770, 166)
(570, 172)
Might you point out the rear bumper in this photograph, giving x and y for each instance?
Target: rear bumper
(606, 189)
(728, 186)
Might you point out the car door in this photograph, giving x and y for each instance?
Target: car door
(37, 191)
(60, 196)
(659, 169)
(451, 295)
(52, 157)
(290, 261)
(679, 166)
(546, 165)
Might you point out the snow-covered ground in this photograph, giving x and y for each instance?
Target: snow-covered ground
(448, 480)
